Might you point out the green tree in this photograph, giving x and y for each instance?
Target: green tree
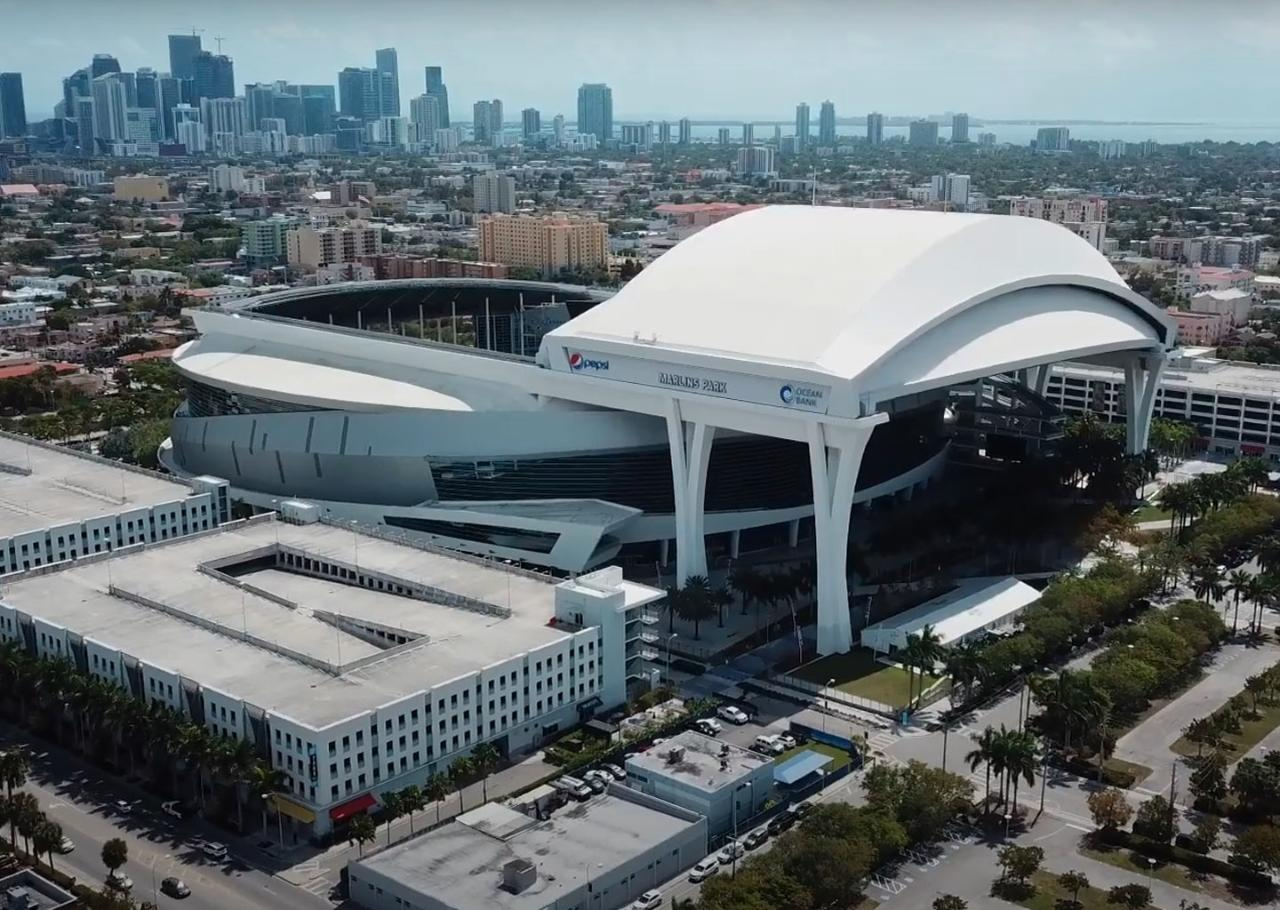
(436, 789)
(1075, 882)
(1258, 847)
(46, 838)
(461, 773)
(950, 902)
(696, 603)
(1155, 820)
(1207, 833)
(484, 760)
(392, 808)
(361, 831)
(1135, 897)
(983, 755)
(115, 853)
(411, 801)
(1109, 808)
(1018, 864)
(922, 799)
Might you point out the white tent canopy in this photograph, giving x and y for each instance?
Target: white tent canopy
(961, 613)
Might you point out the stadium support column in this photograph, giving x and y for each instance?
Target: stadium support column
(1142, 374)
(835, 457)
(690, 452)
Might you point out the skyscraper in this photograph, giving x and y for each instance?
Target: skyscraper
(802, 125)
(923, 133)
(144, 88)
(214, 76)
(75, 86)
(168, 96)
(664, 132)
(875, 128)
(109, 105)
(259, 102)
(494, 193)
(424, 114)
(182, 55)
(595, 110)
(86, 124)
(388, 65)
(481, 122)
(438, 90)
(557, 128)
(318, 109)
(359, 93)
(102, 65)
(748, 134)
(960, 128)
(13, 108)
(1053, 139)
(530, 122)
(827, 125)
(686, 131)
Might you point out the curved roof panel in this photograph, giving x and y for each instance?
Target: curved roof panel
(840, 292)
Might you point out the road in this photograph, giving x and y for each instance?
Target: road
(79, 799)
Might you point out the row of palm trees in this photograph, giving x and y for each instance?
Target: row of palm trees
(1206, 493)
(108, 724)
(1259, 592)
(1012, 756)
(463, 772)
(20, 810)
(698, 600)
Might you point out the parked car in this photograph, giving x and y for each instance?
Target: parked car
(704, 869)
(782, 822)
(617, 772)
(213, 850)
(66, 845)
(708, 727)
(731, 851)
(756, 838)
(788, 741)
(175, 887)
(119, 881)
(124, 806)
(572, 786)
(593, 780)
(802, 808)
(650, 900)
(733, 714)
(768, 744)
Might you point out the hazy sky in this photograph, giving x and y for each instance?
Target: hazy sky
(1141, 60)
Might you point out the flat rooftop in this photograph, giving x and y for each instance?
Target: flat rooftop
(1225, 377)
(219, 609)
(707, 764)
(44, 486)
(460, 864)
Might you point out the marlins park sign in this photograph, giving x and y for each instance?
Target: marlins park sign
(783, 393)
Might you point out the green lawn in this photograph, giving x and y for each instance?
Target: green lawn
(1048, 892)
(1169, 873)
(1252, 730)
(1151, 513)
(858, 673)
(841, 757)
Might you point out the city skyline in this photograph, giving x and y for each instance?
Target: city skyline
(862, 58)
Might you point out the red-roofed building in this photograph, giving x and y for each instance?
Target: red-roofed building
(162, 354)
(17, 371)
(690, 217)
(16, 190)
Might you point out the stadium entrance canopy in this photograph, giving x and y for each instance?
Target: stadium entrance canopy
(813, 324)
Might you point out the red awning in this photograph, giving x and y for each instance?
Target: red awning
(351, 807)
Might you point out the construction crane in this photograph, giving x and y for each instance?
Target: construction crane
(219, 39)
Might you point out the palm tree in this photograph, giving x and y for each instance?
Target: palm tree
(392, 808)
(460, 772)
(265, 781)
(1022, 758)
(721, 597)
(695, 603)
(240, 761)
(412, 800)
(982, 755)
(24, 814)
(674, 597)
(1072, 700)
(14, 765)
(46, 838)
(1268, 553)
(361, 831)
(484, 759)
(1181, 500)
(1206, 582)
(436, 789)
(745, 582)
(1239, 585)
(964, 665)
(926, 650)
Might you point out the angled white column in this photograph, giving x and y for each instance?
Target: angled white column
(834, 460)
(1142, 374)
(690, 445)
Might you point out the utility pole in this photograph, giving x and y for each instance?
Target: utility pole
(219, 39)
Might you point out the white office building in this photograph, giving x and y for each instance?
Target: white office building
(358, 663)
(494, 193)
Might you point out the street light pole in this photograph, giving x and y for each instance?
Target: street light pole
(830, 682)
(733, 847)
(669, 637)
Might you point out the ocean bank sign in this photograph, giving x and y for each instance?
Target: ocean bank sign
(796, 394)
